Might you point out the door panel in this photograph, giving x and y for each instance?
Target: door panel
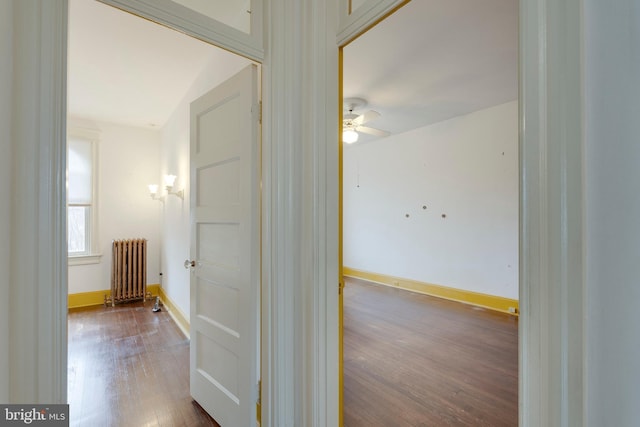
(227, 173)
(225, 245)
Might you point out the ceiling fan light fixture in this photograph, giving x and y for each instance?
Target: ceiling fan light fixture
(349, 136)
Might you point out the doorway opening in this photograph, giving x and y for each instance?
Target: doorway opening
(430, 187)
(130, 84)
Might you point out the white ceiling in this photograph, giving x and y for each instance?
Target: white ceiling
(430, 61)
(433, 60)
(124, 69)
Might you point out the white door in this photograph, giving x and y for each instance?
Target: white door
(225, 239)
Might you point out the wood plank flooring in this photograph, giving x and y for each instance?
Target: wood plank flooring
(409, 360)
(129, 366)
(415, 360)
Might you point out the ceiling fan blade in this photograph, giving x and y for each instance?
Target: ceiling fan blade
(372, 131)
(366, 117)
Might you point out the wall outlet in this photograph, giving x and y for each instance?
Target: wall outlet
(513, 310)
(396, 283)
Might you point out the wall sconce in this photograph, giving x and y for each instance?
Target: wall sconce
(153, 191)
(169, 181)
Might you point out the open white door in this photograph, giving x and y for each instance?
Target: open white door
(225, 249)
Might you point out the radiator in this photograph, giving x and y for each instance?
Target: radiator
(128, 271)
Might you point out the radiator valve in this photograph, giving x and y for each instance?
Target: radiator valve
(156, 306)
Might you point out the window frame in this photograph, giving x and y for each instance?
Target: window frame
(87, 232)
(93, 255)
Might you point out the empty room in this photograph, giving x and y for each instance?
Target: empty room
(430, 217)
(132, 88)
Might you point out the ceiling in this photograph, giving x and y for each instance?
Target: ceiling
(433, 60)
(430, 61)
(127, 70)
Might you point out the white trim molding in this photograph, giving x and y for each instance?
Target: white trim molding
(6, 182)
(552, 283)
(300, 216)
(320, 123)
(365, 16)
(84, 259)
(202, 27)
(38, 289)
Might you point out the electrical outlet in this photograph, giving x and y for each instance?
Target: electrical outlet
(513, 310)
(396, 283)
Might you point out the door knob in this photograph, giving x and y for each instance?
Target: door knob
(188, 263)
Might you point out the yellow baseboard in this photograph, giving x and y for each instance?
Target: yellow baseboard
(154, 289)
(88, 299)
(492, 302)
(177, 314)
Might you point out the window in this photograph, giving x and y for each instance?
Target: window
(81, 199)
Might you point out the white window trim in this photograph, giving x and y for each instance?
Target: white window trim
(94, 255)
(84, 259)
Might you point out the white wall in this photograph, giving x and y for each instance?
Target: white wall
(6, 76)
(129, 160)
(465, 168)
(612, 176)
(175, 160)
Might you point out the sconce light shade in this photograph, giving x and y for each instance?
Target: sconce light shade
(349, 136)
(169, 180)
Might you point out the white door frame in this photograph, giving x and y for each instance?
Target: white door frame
(194, 24)
(552, 285)
(37, 297)
(300, 220)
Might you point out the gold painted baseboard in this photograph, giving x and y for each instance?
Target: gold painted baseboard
(492, 302)
(88, 299)
(178, 316)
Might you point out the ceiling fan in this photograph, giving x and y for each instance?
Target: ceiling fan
(353, 123)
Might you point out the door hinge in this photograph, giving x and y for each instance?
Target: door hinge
(256, 112)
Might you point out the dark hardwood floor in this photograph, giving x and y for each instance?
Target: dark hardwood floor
(415, 360)
(409, 360)
(129, 366)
